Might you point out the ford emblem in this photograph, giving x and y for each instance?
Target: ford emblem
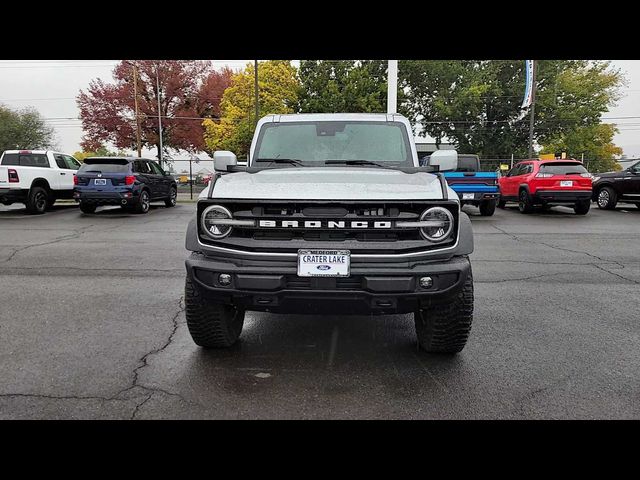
(323, 267)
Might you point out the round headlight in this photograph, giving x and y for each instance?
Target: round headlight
(211, 213)
(442, 224)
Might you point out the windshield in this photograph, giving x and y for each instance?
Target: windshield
(329, 143)
(104, 166)
(563, 168)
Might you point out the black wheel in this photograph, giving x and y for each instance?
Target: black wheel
(487, 208)
(501, 204)
(50, 202)
(211, 325)
(582, 207)
(143, 202)
(173, 195)
(445, 327)
(88, 207)
(524, 202)
(37, 200)
(607, 198)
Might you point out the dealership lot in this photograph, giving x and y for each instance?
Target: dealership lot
(92, 326)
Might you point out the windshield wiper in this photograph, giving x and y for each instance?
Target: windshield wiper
(355, 162)
(292, 161)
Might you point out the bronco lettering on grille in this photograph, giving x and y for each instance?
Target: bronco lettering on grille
(321, 224)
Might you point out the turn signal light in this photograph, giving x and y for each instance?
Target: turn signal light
(129, 179)
(75, 180)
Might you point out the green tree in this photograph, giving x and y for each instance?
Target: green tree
(278, 86)
(24, 129)
(595, 142)
(476, 104)
(329, 86)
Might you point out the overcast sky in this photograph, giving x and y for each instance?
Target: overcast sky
(51, 87)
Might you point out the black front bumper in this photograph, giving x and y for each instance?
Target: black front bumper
(370, 289)
(561, 196)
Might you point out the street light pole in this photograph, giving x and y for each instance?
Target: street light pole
(135, 101)
(392, 86)
(255, 88)
(159, 115)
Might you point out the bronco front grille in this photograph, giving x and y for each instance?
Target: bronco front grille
(361, 227)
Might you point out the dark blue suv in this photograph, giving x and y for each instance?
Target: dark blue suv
(131, 182)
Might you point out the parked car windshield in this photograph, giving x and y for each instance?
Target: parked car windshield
(326, 143)
(467, 163)
(104, 166)
(563, 168)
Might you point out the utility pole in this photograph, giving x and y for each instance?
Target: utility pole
(392, 87)
(159, 115)
(135, 101)
(255, 87)
(533, 108)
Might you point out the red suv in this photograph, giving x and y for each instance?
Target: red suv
(547, 183)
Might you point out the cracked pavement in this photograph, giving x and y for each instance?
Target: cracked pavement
(92, 327)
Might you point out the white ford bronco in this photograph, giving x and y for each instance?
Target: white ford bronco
(331, 214)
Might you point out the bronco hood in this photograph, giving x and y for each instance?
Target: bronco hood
(328, 183)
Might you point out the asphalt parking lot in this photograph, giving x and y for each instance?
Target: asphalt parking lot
(92, 326)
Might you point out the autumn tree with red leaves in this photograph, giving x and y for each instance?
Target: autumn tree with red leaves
(189, 91)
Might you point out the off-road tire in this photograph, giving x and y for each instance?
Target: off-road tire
(487, 208)
(607, 198)
(88, 207)
(211, 325)
(37, 201)
(173, 195)
(445, 327)
(524, 202)
(582, 207)
(144, 201)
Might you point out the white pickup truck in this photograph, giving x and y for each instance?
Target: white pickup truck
(36, 178)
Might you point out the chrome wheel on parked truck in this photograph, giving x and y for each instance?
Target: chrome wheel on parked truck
(607, 198)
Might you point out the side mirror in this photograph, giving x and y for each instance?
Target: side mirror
(446, 160)
(223, 159)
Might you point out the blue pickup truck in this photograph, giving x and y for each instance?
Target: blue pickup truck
(473, 186)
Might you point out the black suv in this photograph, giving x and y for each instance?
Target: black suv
(613, 187)
(129, 182)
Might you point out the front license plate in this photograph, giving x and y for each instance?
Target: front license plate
(566, 183)
(468, 196)
(100, 181)
(324, 263)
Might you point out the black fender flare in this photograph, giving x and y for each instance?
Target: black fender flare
(600, 186)
(40, 182)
